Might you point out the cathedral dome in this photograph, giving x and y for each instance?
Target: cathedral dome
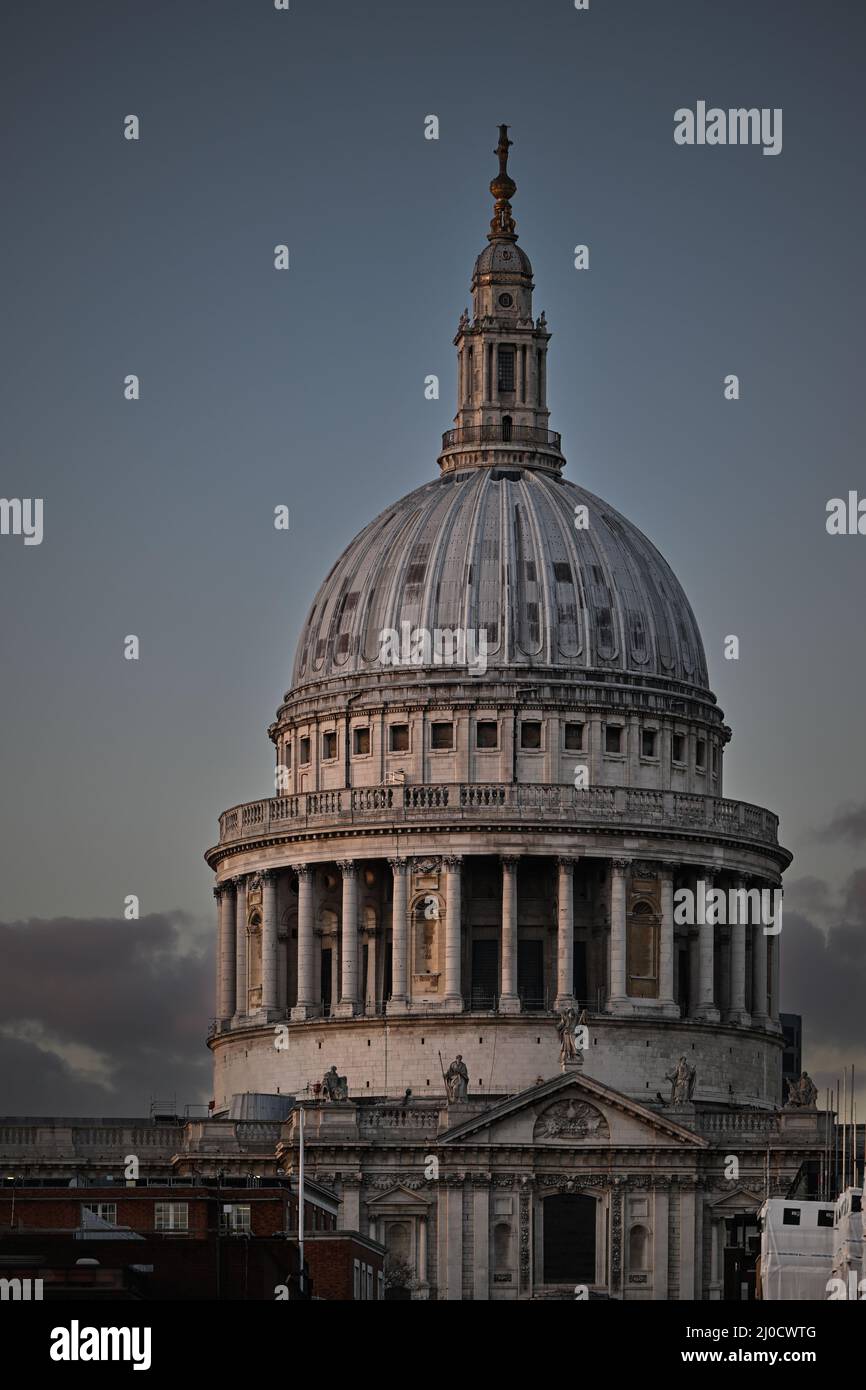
(500, 550)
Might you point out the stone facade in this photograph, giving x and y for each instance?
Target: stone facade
(461, 852)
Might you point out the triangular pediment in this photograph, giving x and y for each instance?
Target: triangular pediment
(574, 1111)
(738, 1200)
(399, 1196)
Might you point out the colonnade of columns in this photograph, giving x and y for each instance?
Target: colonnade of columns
(232, 993)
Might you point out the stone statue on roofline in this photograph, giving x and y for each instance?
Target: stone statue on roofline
(334, 1087)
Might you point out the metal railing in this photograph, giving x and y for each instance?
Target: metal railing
(501, 434)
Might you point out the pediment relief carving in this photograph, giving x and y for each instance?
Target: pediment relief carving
(570, 1119)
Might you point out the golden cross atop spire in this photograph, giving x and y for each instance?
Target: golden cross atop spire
(503, 188)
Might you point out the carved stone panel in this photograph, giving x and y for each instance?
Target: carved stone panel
(568, 1120)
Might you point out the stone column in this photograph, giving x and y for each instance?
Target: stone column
(666, 946)
(349, 997)
(509, 1002)
(399, 1001)
(269, 941)
(737, 1009)
(422, 1250)
(241, 989)
(226, 951)
(716, 1277)
(687, 1240)
(481, 1228)
(707, 1011)
(565, 934)
(307, 1005)
(617, 999)
(760, 1016)
(453, 1001)
(660, 1242)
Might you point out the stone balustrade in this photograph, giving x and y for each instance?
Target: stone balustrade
(615, 808)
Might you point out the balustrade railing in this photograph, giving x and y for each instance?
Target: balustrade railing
(497, 801)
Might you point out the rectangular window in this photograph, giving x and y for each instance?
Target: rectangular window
(715, 762)
(329, 745)
(235, 1220)
(505, 368)
(304, 751)
(441, 735)
(574, 738)
(399, 738)
(105, 1211)
(171, 1216)
(791, 1216)
(678, 748)
(361, 742)
(700, 754)
(356, 1279)
(648, 743)
(287, 754)
(530, 734)
(487, 734)
(825, 1218)
(370, 1283)
(612, 738)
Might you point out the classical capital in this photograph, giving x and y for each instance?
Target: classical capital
(303, 870)
(620, 866)
(453, 862)
(348, 867)
(399, 866)
(567, 862)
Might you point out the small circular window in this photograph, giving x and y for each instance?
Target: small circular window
(506, 301)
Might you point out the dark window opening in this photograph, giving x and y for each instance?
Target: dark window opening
(700, 753)
(361, 741)
(487, 734)
(304, 751)
(678, 748)
(505, 368)
(530, 734)
(329, 746)
(612, 738)
(399, 738)
(648, 743)
(442, 736)
(574, 737)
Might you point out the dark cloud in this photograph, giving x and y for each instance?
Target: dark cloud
(848, 824)
(824, 972)
(100, 1016)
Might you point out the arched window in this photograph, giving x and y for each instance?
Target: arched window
(643, 951)
(506, 427)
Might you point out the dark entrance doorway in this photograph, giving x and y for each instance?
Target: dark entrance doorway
(485, 974)
(326, 982)
(579, 985)
(530, 975)
(569, 1239)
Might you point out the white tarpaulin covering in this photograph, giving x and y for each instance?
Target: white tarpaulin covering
(796, 1251)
